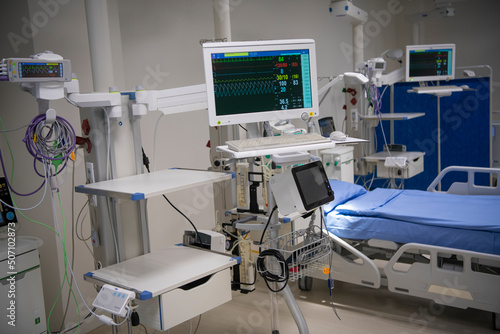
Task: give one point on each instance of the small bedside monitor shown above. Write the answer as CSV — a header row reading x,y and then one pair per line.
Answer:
x,y
302,189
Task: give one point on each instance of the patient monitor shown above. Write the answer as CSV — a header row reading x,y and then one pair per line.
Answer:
x,y
258,81
430,62
301,188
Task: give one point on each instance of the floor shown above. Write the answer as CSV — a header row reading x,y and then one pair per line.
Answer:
x,y
362,310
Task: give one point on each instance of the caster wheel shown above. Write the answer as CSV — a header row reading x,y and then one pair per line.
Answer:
x,y
305,283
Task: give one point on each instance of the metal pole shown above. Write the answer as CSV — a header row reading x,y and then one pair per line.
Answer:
x,y
273,236
274,227
295,310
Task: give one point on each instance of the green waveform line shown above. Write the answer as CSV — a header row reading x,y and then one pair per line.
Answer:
x,y
244,89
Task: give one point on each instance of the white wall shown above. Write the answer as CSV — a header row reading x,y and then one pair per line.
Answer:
x,y
160,49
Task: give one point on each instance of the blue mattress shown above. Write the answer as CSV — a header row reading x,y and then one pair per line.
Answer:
x,y
403,216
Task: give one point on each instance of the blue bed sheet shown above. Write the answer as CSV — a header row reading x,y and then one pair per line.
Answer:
x,y
403,216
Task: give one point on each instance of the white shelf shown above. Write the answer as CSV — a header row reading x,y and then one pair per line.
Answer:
x,y
381,156
288,149
156,273
270,151
440,90
350,140
145,186
395,116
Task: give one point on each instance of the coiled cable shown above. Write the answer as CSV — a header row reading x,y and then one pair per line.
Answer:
x,y
50,142
274,274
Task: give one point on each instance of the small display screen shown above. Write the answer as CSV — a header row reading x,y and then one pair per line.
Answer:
x,y
430,63
313,185
326,126
259,81
40,70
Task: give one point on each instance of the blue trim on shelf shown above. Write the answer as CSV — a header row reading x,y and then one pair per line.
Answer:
x,y
137,196
131,95
145,295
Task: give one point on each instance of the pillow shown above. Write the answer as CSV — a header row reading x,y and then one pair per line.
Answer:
x,y
344,191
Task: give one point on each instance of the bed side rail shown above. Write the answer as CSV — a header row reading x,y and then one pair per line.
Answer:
x,y
451,277
469,187
352,267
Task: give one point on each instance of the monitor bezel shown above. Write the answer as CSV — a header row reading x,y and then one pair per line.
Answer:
x,y
410,48
271,45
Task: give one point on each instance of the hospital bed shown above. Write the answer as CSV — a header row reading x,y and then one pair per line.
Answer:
x,y
442,246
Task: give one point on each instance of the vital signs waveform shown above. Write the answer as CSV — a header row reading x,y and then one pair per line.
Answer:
x,y
35,70
229,89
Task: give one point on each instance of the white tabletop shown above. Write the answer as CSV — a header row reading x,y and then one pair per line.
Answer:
x,y
161,271
144,186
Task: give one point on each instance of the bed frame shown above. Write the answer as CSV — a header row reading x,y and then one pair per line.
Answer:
x,y
448,276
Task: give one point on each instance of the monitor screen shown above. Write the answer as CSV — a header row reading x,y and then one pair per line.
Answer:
x,y
259,81
36,70
326,126
40,70
430,62
313,185
301,188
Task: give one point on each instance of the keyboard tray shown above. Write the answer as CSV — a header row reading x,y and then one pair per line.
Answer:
x,y
252,144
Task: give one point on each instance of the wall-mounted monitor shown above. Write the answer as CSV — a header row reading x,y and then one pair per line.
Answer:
x,y
430,62
250,82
